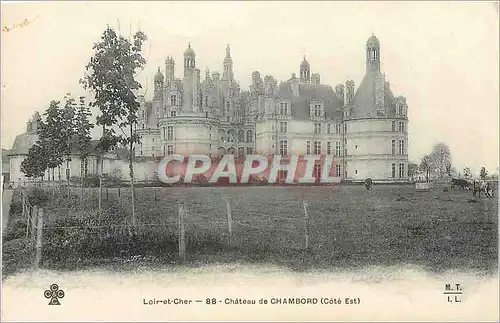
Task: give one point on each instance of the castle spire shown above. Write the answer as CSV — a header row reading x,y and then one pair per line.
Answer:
x,y
228,66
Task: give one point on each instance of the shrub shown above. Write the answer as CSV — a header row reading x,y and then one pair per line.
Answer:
x,y
16,255
16,229
16,207
38,197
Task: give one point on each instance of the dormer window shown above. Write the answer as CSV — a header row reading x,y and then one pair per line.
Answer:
x,y
173,100
283,108
317,110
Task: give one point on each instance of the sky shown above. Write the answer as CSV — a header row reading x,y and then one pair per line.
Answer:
x,y
443,56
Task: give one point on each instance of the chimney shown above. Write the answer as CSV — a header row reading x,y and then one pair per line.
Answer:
x,y
294,81
349,93
315,78
216,76
339,91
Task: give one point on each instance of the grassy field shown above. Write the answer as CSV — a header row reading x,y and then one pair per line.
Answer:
x,y
349,226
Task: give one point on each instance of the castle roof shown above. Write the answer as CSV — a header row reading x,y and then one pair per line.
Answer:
x,y
23,143
363,103
151,115
307,93
372,42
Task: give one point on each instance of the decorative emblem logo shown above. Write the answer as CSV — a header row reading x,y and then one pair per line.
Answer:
x,y
54,293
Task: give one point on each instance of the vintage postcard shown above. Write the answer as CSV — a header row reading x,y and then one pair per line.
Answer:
x,y
249,161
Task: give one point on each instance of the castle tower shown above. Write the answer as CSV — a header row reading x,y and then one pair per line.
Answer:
x,y
169,69
189,60
373,54
158,88
187,84
305,71
228,75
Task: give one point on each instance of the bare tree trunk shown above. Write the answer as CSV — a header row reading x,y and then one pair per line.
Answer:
x,y
67,174
100,177
131,168
82,183
101,174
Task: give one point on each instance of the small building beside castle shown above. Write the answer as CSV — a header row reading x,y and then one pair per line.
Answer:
x,y
364,129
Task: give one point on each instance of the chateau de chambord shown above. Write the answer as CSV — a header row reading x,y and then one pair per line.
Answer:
x,y
364,128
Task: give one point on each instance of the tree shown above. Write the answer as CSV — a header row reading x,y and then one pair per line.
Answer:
x,y
111,77
68,132
36,162
83,138
467,172
440,159
49,135
412,170
425,166
483,173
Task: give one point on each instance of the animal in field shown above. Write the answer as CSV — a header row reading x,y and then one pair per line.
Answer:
x,y
482,186
368,183
459,183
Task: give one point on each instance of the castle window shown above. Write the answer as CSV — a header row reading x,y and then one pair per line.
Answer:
x,y
401,126
401,170
249,150
337,149
401,147
283,148
173,100
394,126
308,148
283,108
170,133
249,136
328,129
170,150
317,147
393,171
337,128
173,113
317,128
393,147
329,148
283,127
345,127
241,136
317,110
241,151
337,170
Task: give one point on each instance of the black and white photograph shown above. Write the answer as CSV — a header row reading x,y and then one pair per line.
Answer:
x,y
285,161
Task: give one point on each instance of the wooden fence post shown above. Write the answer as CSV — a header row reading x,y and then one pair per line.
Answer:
x,y
229,221
34,214
306,226
107,194
39,236
155,195
23,198
119,185
182,233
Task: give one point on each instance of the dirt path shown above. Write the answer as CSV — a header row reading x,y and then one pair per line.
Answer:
x,y
6,199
